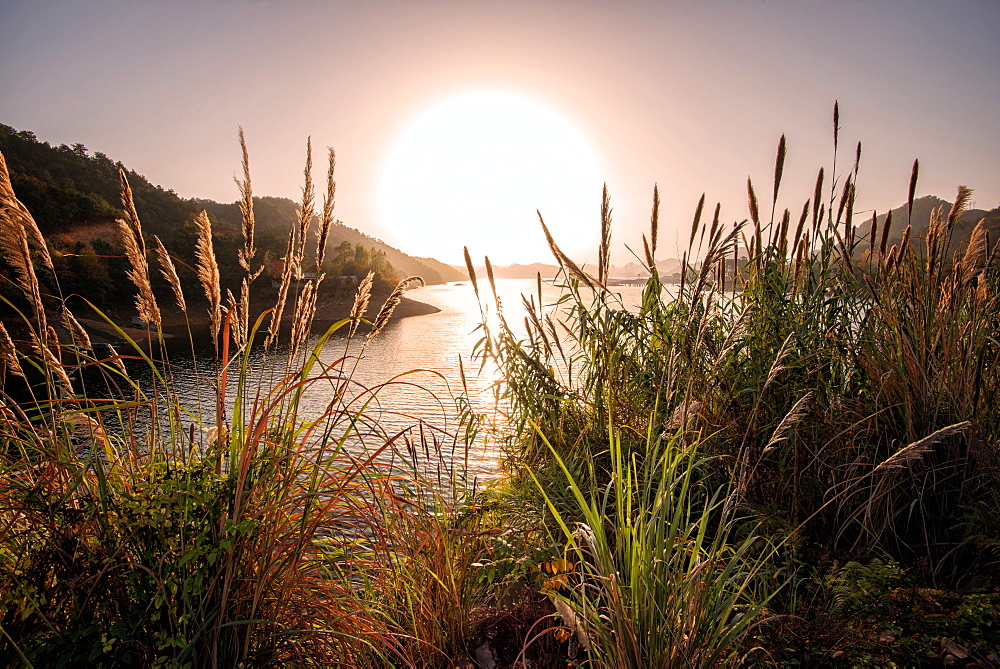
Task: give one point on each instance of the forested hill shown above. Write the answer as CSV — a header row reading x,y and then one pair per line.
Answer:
x,y
74,196
923,208
275,215
64,186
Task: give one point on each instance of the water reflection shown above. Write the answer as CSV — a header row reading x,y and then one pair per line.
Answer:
x,y
413,381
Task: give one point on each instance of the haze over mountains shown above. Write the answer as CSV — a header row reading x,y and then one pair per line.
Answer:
x,y
666,267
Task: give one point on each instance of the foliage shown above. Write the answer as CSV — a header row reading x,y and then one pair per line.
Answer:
x,y
140,531
687,475
840,388
662,581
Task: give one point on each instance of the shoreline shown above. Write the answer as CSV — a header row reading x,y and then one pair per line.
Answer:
x,y
195,323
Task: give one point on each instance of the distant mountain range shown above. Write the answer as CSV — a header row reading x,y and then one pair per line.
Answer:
x,y
74,196
666,267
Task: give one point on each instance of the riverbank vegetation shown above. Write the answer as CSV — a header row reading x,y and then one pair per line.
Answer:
x,y
789,458
834,397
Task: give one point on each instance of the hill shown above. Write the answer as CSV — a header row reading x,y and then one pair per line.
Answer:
x,y
275,215
74,196
64,186
69,190
923,208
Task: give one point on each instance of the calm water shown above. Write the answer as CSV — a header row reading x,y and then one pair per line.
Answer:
x,y
409,375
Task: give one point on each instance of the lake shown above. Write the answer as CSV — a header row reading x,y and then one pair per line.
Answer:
x,y
410,373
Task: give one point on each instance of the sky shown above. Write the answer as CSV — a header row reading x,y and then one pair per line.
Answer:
x,y
454,121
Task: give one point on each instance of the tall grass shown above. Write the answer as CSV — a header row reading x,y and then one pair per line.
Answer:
x,y
140,531
808,392
663,578
839,390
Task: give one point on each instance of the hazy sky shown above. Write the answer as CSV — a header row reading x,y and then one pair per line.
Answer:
x,y
690,95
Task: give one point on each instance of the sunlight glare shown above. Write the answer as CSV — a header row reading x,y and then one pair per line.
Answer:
x,y
471,171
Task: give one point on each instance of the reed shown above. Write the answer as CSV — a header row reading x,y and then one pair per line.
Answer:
x,y
658,579
679,470
798,386
137,531
135,251
208,275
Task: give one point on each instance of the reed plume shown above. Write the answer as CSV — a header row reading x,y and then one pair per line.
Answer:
x,y
872,234
817,195
16,227
306,211
752,203
51,363
960,205
246,209
779,167
755,217
115,359
885,233
292,267
492,281
287,271
647,254
8,355
208,274
323,233
604,253
797,238
169,273
977,248
913,188
696,222
571,267
791,419
472,270
836,124
6,188
917,449
13,214
937,230
240,310
302,318
778,365
135,251
80,336
360,305
305,306
842,204
391,302
14,241
654,225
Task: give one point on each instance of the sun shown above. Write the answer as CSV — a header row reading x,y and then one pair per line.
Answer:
x,y
472,169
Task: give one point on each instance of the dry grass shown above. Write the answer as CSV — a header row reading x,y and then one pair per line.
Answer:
x,y
207,270
133,537
135,251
